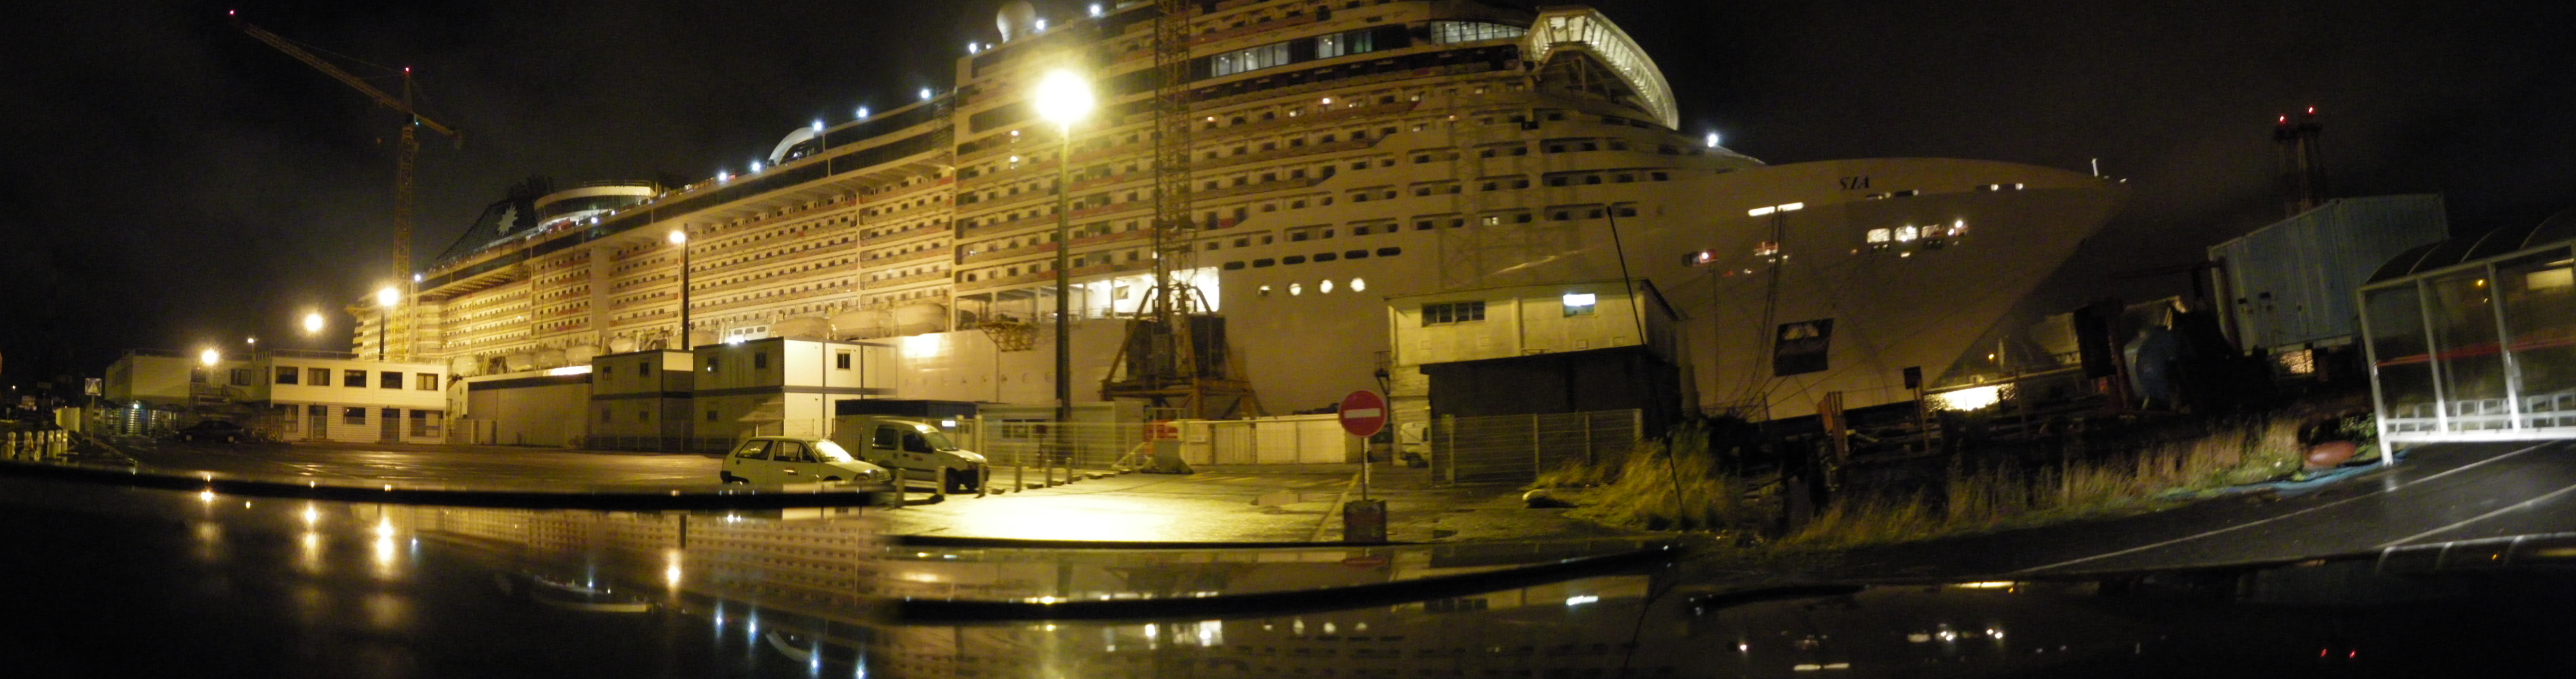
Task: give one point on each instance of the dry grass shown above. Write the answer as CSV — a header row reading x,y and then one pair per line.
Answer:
x,y
1990,499
1677,485
1658,485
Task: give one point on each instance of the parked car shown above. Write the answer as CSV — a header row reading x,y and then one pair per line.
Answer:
x,y
214,430
795,459
916,446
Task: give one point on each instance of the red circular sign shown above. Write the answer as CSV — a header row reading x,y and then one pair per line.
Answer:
x,y
1363,413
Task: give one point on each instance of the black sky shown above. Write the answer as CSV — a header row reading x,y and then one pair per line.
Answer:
x,y
170,183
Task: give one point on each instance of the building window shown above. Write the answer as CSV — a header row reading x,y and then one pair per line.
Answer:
x,y
289,375
320,377
643,416
424,423
604,415
353,416
353,378
841,360
1453,312
644,368
711,416
1579,303
714,364
426,382
389,380
760,360
241,377
1445,32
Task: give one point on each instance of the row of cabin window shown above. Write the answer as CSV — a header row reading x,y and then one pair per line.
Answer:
x,y
1317,257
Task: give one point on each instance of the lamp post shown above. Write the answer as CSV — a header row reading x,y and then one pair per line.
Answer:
x,y
386,298
681,238
1064,98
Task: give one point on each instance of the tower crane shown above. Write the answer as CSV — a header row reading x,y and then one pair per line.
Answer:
x,y
406,155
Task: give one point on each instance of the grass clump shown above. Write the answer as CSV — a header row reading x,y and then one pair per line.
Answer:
x,y
1679,483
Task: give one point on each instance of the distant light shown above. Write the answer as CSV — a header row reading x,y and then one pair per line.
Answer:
x,y
312,321
1295,289
253,341
568,370
679,237
1990,584
415,278
818,124
1579,299
1712,140
1041,25
755,167
1581,599
210,357
737,339
721,175
925,94
388,296
1971,398
1793,207
948,424
863,113
1095,9
1760,211
1359,284
970,47
1325,287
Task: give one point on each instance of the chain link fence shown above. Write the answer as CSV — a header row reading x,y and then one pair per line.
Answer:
x,y
1515,448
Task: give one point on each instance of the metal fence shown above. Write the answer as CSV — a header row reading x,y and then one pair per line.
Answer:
x,y
1516,448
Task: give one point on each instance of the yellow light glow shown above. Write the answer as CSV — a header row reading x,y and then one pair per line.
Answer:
x,y
210,357
1063,97
920,346
1990,584
679,237
388,296
312,322
1971,398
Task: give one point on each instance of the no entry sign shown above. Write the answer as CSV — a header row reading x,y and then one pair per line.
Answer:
x,y
1363,413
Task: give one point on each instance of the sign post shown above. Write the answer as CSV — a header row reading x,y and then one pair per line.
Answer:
x,y
1364,414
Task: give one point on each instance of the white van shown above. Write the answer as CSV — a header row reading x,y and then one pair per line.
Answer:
x,y
914,446
795,459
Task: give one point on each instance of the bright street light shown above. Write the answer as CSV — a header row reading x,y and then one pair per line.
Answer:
x,y
210,357
312,322
1063,97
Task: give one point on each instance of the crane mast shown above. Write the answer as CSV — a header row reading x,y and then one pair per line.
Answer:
x,y
406,151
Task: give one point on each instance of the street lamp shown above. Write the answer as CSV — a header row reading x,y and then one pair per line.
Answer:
x,y
386,298
210,357
681,238
1064,98
312,322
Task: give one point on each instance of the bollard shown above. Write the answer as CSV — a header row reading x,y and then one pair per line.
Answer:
x,y
1020,476
983,480
939,485
902,477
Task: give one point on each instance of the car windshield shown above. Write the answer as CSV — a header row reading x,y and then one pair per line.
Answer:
x,y
832,452
936,440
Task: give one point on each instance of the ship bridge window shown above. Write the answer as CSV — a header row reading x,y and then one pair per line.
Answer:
x,y
1446,32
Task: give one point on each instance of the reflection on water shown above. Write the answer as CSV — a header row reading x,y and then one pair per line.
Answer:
x,y
339,589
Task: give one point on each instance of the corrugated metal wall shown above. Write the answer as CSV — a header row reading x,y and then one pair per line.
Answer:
x,y
2293,281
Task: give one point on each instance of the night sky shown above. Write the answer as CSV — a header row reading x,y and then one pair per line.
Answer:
x,y
171,183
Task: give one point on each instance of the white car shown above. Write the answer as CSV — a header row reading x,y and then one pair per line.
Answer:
x,y
795,459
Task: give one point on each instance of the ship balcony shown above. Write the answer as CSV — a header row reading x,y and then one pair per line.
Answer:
x,y
902,281
930,229
905,258
1077,274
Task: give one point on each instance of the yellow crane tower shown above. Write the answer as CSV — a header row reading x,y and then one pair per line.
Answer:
x,y
406,155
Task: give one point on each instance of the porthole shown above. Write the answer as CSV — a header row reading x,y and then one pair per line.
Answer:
x,y
1325,287
1359,284
1295,289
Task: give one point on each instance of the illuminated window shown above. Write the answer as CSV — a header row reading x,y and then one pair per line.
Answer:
x,y
1324,288
1295,289
1881,235
1906,234
1579,303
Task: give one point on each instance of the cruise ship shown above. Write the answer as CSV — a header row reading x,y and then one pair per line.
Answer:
x,y
1343,157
